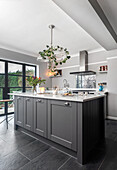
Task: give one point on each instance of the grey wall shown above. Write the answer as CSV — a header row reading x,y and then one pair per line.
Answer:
x,y
70,66
112,87
95,60
14,56
43,74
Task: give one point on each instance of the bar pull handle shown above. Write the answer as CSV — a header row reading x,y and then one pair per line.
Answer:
x,y
39,100
67,104
27,99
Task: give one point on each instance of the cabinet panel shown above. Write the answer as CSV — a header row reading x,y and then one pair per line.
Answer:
x,y
40,117
28,113
62,123
19,111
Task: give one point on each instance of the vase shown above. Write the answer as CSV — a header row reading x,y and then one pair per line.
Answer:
x,y
34,90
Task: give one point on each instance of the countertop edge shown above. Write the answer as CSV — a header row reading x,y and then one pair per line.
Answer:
x,y
54,97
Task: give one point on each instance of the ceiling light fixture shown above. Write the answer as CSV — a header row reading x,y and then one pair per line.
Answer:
x,y
54,55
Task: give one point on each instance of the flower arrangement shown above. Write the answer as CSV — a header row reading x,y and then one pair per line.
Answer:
x,y
33,81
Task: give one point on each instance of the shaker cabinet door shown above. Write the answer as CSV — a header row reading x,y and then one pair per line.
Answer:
x,y
28,113
62,123
40,117
19,111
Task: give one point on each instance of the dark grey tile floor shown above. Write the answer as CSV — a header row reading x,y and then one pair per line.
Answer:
x,y
18,151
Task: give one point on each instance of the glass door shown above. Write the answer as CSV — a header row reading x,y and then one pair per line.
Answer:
x,y
15,81
13,78
2,85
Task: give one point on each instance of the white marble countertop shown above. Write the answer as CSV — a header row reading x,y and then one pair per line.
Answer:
x,y
75,98
84,89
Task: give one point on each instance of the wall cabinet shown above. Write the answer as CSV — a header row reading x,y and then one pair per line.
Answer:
x,y
62,123
28,114
40,117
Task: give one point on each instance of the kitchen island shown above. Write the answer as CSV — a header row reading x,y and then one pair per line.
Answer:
x,y
75,122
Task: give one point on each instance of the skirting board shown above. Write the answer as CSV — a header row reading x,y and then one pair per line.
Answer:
x,y
111,117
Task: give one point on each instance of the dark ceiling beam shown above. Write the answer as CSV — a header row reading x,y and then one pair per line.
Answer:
x,y
103,17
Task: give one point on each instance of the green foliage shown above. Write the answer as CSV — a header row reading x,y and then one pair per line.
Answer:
x,y
13,81
33,81
49,54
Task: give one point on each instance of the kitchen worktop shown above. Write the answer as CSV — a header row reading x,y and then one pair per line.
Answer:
x,y
75,98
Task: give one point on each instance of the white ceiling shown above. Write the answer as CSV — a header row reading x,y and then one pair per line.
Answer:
x,y
24,27
83,13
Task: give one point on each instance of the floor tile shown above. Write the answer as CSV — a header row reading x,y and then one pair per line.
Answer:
x,y
6,148
13,161
110,162
94,162
50,160
34,149
72,164
95,159
18,139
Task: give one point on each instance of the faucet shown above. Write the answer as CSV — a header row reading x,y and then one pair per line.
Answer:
x,y
66,84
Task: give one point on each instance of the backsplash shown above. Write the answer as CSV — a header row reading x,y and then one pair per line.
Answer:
x,y
87,81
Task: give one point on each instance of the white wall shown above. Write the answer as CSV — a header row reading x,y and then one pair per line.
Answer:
x,y
14,56
71,65
112,87
95,60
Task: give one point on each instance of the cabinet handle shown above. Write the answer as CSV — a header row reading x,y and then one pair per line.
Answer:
x,y
27,99
66,104
39,100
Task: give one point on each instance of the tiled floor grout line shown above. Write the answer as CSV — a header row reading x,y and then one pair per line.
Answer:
x,y
24,155
63,152
64,163
27,144
102,163
49,145
29,135
34,158
3,139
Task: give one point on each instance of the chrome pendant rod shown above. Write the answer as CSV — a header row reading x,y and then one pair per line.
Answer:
x,y
51,27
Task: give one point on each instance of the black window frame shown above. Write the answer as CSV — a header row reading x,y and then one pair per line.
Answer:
x,y
6,87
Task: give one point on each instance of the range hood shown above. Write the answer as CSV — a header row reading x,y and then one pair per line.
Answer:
x,y
84,65
84,72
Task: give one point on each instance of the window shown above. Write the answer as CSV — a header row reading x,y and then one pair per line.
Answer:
x,y
15,81
2,67
13,78
2,107
30,71
14,69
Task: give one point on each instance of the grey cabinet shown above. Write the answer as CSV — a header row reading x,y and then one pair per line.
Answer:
x,y
28,113
62,123
40,117
19,111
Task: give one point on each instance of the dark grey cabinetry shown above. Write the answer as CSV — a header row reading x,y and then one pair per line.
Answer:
x,y
62,123
19,111
28,113
40,117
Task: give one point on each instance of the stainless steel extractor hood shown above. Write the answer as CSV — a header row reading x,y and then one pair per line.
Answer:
x,y
84,65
